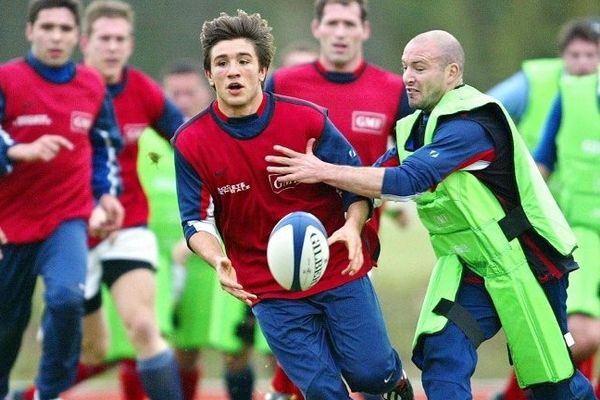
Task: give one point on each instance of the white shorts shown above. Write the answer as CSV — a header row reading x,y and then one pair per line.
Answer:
x,y
135,244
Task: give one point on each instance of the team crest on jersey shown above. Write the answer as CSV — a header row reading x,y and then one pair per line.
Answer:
x,y
81,122
32,120
367,122
132,132
278,187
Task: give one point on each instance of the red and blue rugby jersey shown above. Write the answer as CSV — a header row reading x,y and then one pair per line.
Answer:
x,y
35,197
226,159
139,103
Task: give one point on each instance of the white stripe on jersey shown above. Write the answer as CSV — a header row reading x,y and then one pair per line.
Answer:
x,y
111,162
476,166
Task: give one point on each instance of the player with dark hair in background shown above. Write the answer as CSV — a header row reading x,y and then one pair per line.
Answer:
x,y
58,146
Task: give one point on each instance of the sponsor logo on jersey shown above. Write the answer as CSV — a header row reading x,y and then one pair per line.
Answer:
x,y
32,120
367,122
235,188
278,187
132,132
81,121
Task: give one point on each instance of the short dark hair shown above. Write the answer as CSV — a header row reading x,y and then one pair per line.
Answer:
x,y
584,28
226,27
320,6
35,6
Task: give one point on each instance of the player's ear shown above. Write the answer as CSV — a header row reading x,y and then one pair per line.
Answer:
x,y
314,27
366,30
209,78
28,31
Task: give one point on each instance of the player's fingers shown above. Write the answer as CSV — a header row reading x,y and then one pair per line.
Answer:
x,y
64,142
286,151
309,145
278,169
279,160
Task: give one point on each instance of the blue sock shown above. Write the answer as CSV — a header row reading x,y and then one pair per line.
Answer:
x,y
240,384
160,376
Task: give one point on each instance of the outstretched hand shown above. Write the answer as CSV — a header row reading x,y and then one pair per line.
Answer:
x,y
44,148
294,166
228,280
106,217
353,242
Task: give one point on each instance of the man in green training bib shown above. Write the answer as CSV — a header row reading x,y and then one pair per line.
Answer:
x,y
504,249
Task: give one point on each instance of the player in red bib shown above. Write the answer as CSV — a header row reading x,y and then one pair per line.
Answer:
x,y
126,261
334,329
58,145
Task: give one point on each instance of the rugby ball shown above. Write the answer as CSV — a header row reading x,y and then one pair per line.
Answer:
x,y
297,251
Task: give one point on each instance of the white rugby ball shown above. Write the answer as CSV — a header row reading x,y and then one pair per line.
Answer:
x,y
297,252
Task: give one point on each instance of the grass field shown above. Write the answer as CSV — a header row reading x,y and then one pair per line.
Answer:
x,y
400,279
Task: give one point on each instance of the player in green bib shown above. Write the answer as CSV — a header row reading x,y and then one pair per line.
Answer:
x,y
504,248
529,96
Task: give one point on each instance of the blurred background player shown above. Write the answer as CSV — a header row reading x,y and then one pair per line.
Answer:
x,y
297,53
187,88
530,95
57,158
349,87
126,261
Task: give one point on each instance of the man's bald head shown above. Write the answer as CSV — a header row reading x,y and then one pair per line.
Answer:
x,y
447,48
433,63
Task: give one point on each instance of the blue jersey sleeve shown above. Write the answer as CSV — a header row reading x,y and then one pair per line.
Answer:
x,y
189,190
6,141
106,143
334,148
457,144
169,121
545,150
513,93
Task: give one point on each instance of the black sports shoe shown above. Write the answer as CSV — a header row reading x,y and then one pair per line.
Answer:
x,y
402,391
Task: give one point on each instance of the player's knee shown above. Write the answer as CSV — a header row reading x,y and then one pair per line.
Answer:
x,y
65,302
373,380
142,329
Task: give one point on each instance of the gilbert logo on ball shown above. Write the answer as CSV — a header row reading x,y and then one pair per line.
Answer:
x,y
297,252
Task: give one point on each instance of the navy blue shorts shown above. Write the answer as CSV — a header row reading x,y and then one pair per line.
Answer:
x,y
339,332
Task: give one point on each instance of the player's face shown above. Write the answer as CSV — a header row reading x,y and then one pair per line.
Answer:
x,y
188,91
53,36
108,47
581,57
341,34
236,76
425,76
